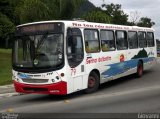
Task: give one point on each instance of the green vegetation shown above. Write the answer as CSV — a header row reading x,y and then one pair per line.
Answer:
x,y
5,66
116,13
97,15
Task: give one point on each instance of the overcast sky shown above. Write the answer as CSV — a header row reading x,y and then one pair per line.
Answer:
x,y
145,8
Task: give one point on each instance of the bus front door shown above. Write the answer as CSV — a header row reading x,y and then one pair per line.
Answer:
x,y
75,56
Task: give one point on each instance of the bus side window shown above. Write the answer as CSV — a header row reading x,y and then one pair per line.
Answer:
x,y
133,39
91,38
74,47
107,40
150,39
121,40
142,39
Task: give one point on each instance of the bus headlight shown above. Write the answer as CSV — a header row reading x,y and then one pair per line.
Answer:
x,y
18,80
53,80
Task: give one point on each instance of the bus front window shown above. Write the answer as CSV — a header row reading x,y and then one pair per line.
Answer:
x,y
38,51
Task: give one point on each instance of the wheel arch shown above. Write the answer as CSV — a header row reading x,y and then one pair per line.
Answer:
x,y
94,75
141,61
97,72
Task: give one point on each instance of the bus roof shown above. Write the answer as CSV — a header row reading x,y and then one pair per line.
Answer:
x,y
93,25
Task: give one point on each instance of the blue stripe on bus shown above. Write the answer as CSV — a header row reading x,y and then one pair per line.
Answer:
x,y
119,68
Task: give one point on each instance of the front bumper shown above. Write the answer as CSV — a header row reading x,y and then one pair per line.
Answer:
x,y
57,88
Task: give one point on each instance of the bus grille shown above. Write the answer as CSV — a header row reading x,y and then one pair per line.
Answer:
x,y
35,89
35,80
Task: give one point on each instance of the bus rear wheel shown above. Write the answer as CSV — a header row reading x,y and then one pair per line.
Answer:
x,y
93,83
139,69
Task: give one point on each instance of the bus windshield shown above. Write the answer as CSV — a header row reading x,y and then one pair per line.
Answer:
x,y
38,51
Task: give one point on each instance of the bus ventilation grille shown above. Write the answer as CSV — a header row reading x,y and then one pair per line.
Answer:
x,y
35,80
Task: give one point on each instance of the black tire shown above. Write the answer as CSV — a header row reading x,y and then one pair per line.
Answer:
x,y
139,69
93,83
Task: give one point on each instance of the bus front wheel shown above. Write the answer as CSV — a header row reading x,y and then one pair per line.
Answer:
x,y
93,83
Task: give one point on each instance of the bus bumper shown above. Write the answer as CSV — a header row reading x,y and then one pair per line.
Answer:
x,y
57,88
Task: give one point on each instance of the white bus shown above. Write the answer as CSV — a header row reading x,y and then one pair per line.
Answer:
x,y
62,57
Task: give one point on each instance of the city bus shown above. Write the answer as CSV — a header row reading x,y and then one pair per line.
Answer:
x,y
61,57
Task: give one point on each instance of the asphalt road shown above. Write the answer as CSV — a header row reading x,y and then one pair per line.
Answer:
x,y
125,95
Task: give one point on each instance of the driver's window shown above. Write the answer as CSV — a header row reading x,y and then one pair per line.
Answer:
x,y
74,47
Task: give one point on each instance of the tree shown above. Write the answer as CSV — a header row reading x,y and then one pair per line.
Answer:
x,y
32,10
6,28
97,16
145,22
134,16
84,7
7,7
4,7
116,13
54,8
69,8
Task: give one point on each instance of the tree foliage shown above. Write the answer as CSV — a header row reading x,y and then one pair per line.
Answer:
x,y
6,26
32,10
145,22
67,9
116,13
97,16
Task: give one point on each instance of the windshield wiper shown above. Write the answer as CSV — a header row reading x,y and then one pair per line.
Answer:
x,y
36,53
41,41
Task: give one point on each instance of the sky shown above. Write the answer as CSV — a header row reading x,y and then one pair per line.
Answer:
x,y
144,8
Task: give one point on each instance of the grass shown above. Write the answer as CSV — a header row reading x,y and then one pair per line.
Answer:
x,y
5,67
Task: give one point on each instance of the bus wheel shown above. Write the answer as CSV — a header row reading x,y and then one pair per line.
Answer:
x,y
93,83
139,69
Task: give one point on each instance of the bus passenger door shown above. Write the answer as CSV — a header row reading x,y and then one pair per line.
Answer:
x,y
75,56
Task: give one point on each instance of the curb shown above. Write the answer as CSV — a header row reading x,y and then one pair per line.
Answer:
x,y
9,95
7,86
8,91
